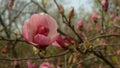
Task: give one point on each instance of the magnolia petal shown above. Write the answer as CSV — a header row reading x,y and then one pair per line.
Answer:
x,y
52,25
26,32
46,65
55,44
41,40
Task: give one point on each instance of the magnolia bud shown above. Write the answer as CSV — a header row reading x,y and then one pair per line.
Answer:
x,y
80,24
68,39
117,8
5,49
61,9
104,41
61,42
117,19
10,4
118,52
82,35
88,27
58,61
111,31
112,16
35,50
104,4
44,2
30,65
94,17
98,28
64,42
15,63
71,13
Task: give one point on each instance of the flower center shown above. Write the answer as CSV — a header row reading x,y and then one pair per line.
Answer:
x,y
42,30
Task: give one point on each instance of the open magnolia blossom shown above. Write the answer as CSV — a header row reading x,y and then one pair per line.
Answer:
x,y
40,30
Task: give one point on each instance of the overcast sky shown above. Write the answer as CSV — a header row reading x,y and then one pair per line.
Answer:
x,y
85,4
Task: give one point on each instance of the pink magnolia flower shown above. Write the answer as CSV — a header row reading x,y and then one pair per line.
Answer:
x,y
80,24
104,4
31,65
46,65
40,30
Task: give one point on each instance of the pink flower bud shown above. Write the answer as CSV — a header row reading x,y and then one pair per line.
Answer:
x,y
111,31
31,65
82,35
15,63
5,49
80,24
80,66
61,9
104,41
61,42
58,67
88,27
70,40
117,19
46,65
58,61
40,30
94,17
104,4
98,28
118,52
112,16
64,42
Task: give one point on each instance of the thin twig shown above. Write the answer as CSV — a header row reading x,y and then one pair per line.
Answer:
x,y
69,25
107,35
39,6
35,58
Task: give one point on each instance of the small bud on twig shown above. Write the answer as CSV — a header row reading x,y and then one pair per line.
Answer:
x,y
61,9
105,5
71,13
10,4
43,2
5,49
80,25
94,17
